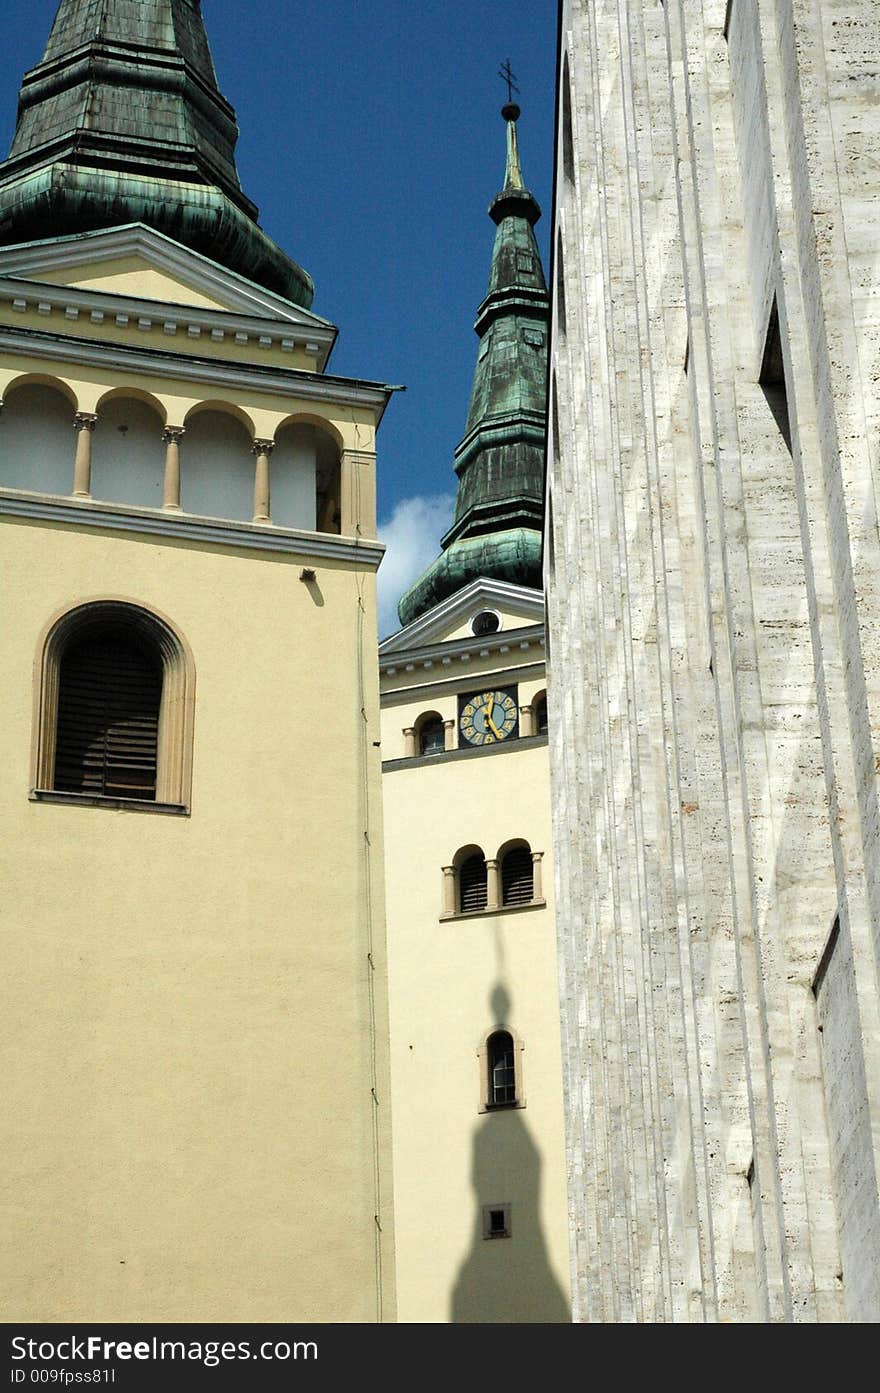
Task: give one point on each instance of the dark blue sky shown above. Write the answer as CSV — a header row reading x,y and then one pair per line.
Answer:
x,y
372,142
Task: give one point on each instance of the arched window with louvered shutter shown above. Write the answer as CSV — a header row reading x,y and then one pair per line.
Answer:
x,y
517,875
472,881
109,696
114,707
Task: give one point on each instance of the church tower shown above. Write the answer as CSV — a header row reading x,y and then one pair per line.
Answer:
x,y
195,998
479,1174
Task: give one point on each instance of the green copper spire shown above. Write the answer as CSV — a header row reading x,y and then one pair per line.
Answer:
x,y
123,122
496,531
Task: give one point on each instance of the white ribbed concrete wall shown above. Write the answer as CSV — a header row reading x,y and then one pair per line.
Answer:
x,y
715,657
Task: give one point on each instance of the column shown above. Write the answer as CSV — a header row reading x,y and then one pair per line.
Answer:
x,y
84,423
409,742
262,449
537,878
357,493
449,905
526,722
449,735
493,884
172,436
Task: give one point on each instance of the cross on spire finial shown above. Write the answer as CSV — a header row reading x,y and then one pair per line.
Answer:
x,y
506,73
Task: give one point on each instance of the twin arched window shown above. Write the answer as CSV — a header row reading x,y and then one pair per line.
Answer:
x,y
478,884
114,706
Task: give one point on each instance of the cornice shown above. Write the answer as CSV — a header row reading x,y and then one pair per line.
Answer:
x,y
162,317
486,591
456,681
463,650
306,386
209,277
114,517
517,745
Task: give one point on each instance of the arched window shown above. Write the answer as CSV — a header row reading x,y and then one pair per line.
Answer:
x,y
539,714
328,483
109,697
37,440
472,884
431,735
114,707
502,1070
127,452
294,474
517,875
217,466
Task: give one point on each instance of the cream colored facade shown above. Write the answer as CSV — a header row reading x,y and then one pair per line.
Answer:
x,y
195,1010
456,977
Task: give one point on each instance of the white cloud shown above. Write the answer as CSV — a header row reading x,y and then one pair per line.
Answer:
x,y
412,535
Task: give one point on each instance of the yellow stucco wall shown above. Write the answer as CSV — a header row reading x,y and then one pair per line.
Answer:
x,y
451,981
187,1024
132,275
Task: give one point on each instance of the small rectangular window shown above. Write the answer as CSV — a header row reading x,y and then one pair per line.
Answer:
x,y
496,1221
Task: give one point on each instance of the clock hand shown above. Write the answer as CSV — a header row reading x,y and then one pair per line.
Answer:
x,y
490,723
486,713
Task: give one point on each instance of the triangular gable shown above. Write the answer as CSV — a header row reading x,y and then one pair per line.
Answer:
x,y
518,606
132,276
137,261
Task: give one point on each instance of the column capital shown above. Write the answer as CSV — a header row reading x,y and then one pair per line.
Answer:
x,y
172,435
85,420
262,447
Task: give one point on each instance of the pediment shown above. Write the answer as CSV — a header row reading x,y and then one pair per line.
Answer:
x,y
136,262
517,606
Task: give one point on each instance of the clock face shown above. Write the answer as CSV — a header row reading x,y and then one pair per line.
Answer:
x,y
487,717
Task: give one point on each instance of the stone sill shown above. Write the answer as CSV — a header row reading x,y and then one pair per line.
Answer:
x,y
516,742
499,909
502,1107
99,800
